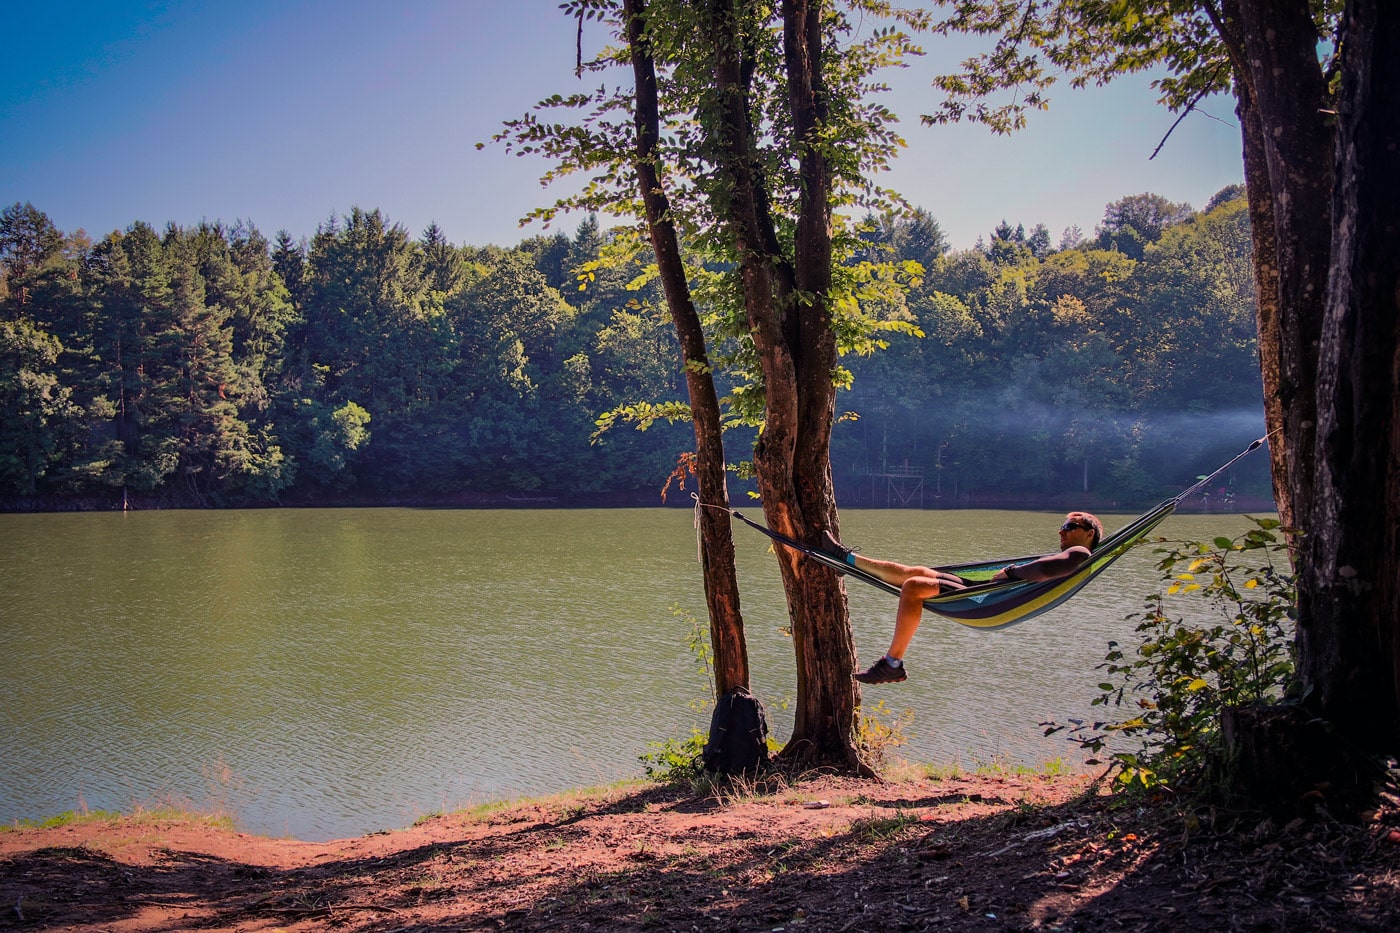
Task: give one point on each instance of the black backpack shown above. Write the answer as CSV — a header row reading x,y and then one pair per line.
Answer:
x,y
738,734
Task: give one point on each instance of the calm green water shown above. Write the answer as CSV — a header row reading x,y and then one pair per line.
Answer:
x,y
325,673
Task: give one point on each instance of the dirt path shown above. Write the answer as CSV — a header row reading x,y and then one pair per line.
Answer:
x,y
994,852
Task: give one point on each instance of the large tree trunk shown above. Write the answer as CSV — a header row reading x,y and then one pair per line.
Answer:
x,y
826,695
1338,371
789,320
1275,45
731,658
1349,631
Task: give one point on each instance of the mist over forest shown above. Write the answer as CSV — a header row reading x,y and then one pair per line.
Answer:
x,y
211,366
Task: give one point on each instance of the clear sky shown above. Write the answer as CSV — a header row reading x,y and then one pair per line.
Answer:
x,y
282,113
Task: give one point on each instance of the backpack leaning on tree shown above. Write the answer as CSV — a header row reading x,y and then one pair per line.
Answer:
x,y
738,734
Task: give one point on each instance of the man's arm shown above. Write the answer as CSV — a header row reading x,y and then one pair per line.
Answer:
x,y
1050,567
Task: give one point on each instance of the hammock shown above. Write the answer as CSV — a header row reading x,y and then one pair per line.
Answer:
x,y
987,605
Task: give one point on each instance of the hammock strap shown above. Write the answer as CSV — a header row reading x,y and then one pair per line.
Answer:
x,y
1233,460
735,513
813,553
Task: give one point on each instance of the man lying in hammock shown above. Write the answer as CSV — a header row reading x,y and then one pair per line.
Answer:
x,y
1079,535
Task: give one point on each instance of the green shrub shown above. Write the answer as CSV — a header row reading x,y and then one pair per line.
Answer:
x,y
1183,675
674,761
880,730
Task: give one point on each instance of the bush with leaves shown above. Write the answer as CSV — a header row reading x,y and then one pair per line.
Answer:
x,y
880,730
1185,674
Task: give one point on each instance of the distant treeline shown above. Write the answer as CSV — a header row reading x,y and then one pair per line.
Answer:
x,y
209,366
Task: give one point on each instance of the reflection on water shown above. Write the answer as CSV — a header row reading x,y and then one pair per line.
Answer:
x,y
325,673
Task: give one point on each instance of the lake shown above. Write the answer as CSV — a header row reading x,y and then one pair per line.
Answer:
x,y
327,673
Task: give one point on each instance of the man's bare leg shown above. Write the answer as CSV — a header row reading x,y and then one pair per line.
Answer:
x,y
890,571
910,613
912,593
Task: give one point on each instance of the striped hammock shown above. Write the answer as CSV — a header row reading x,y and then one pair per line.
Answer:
x,y
987,605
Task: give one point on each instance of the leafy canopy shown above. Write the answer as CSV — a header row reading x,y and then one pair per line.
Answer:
x,y
590,134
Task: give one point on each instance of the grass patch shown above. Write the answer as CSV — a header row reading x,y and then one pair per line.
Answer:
x,y
172,813
165,813
949,772
880,730
883,828
66,818
564,805
1054,768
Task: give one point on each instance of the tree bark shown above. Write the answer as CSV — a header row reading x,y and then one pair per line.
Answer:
x,y
1349,626
1324,202
1338,370
1283,760
731,660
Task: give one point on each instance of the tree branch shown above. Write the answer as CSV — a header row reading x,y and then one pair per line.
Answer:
x,y
1189,107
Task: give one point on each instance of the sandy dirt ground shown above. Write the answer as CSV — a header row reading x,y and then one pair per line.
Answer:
x,y
969,852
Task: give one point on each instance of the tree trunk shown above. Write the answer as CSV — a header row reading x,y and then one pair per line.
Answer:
x,y
1349,626
1277,45
826,694
1285,761
789,321
1320,201
1338,372
731,659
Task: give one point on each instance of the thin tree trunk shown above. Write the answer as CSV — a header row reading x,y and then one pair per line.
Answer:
x,y
731,658
1259,191
1350,633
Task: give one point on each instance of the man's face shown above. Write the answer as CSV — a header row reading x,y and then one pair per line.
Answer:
x,y
1075,532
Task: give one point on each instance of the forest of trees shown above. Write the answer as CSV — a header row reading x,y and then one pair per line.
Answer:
x,y
209,366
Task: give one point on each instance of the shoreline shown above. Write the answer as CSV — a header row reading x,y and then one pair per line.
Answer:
x,y
465,501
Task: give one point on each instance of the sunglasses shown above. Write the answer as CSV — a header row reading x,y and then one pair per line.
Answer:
x,y
1071,526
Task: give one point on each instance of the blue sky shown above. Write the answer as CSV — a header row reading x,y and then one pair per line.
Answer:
x,y
282,113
